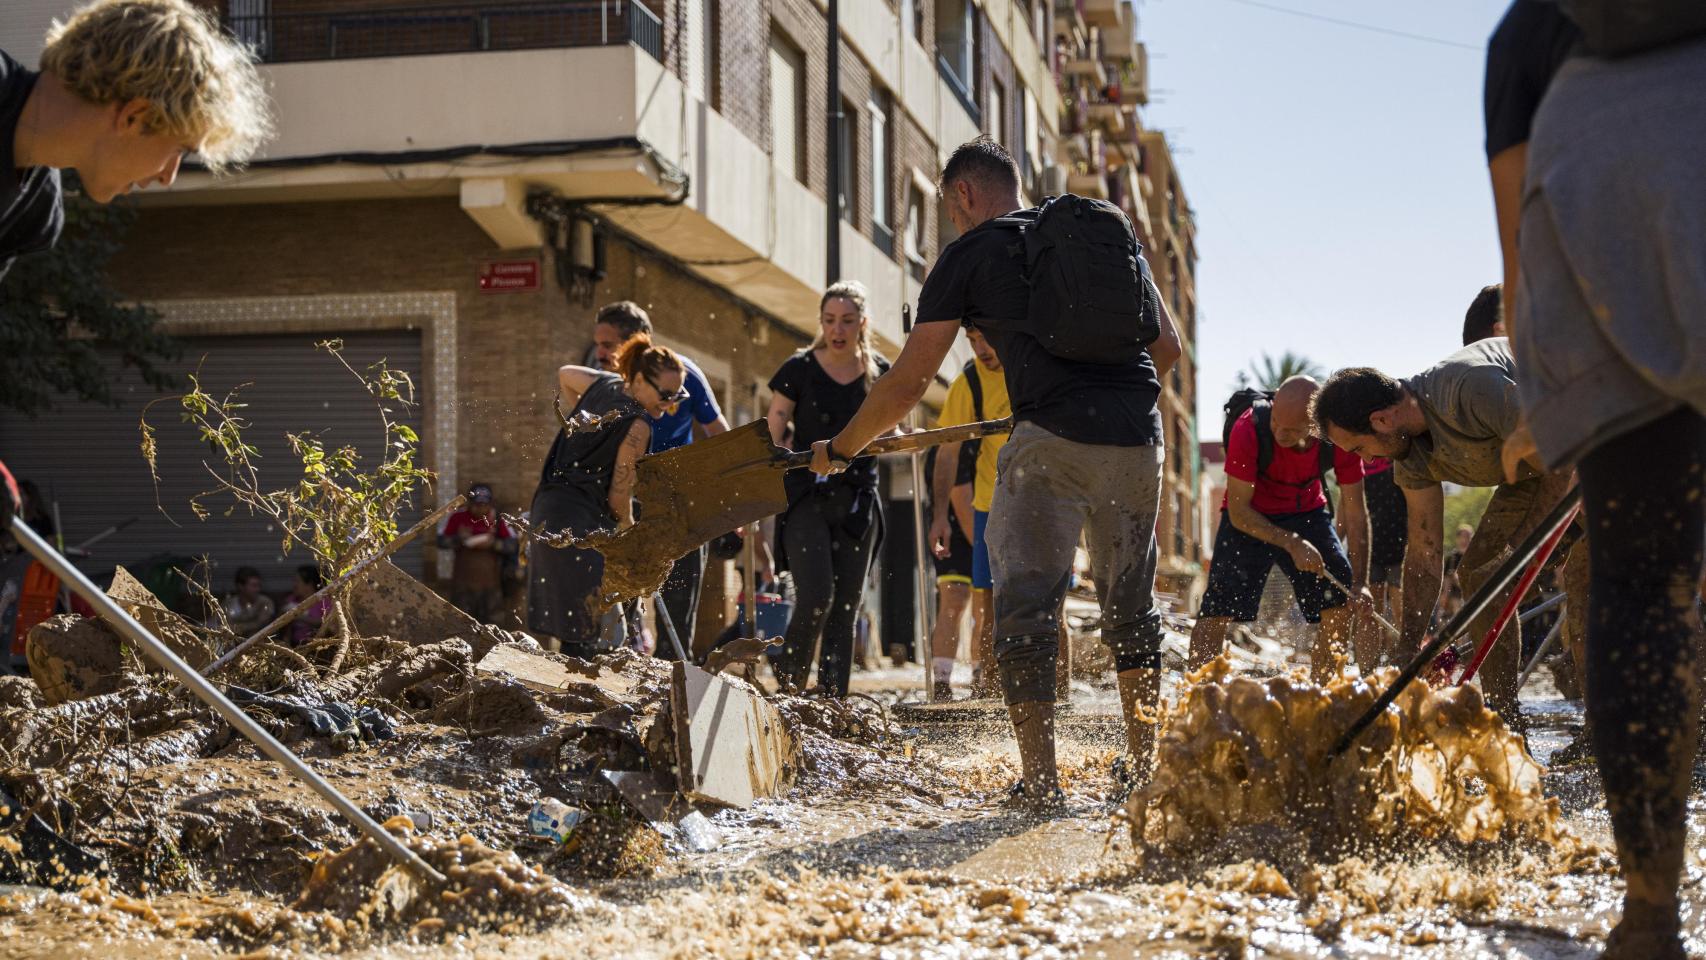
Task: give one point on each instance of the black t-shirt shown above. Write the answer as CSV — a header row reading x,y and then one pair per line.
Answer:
x,y
30,207
978,280
588,460
1526,50
822,408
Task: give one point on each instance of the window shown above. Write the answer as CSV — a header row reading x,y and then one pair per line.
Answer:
x,y
698,52
956,39
912,18
849,127
787,106
879,108
998,112
915,231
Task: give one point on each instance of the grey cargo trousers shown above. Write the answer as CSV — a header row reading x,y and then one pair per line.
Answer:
x,y
1049,491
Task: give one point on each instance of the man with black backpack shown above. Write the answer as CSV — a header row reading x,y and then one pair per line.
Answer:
x,y
1064,295
1277,511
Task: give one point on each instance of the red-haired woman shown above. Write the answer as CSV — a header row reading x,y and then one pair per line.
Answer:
x,y
587,485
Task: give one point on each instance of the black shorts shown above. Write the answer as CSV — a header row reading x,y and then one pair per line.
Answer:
x,y
956,566
1241,564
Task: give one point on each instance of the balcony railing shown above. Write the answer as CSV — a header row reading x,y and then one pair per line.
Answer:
x,y
408,31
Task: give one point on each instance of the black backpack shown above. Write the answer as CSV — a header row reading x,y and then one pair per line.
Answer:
x,y
1620,28
1092,298
1261,403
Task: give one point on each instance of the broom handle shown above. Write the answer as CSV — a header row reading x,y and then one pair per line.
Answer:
x,y
908,442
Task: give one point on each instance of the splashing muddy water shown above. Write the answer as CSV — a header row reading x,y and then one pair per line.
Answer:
x,y
901,846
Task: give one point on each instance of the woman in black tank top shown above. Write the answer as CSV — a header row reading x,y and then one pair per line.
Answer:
x,y
587,485
828,535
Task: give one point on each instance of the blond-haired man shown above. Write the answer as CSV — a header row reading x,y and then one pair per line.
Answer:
x,y
126,89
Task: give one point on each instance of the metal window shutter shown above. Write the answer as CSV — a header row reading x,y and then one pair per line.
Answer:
x,y
87,456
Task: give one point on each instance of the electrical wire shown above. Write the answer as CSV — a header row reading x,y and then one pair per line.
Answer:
x,y
1358,25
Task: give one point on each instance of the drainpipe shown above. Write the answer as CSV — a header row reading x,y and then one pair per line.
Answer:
x,y
832,240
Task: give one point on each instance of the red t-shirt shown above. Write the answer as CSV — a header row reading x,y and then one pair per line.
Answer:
x,y
463,520
1377,465
1293,481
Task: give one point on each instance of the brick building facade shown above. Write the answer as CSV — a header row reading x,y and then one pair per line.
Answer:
x,y
416,135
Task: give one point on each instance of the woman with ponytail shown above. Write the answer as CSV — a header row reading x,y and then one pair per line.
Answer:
x,y
830,530
587,484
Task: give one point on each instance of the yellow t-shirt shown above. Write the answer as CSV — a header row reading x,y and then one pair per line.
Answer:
x,y
958,411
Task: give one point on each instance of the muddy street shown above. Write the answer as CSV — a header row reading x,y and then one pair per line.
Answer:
x,y
891,834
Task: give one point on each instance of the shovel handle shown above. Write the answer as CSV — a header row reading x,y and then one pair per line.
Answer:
x,y
908,442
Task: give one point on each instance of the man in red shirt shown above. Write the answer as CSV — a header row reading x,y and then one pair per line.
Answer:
x,y
1278,514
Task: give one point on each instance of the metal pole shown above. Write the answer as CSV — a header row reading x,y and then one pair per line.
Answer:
x,y
1545,648
198,685
604,22
750,576
669,626
832,238
1541,608
426,523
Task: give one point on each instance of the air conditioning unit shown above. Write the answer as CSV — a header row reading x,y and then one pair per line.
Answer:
x,y
1054,180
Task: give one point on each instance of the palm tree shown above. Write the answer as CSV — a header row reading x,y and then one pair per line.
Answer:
x,y
1270,372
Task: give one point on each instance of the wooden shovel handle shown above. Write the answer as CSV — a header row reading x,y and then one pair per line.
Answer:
x,y
923,439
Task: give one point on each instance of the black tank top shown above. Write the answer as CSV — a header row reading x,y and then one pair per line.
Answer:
x,y
588,460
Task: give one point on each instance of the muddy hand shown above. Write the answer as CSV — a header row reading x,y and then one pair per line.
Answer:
x,y
940,535
1306,557
822,464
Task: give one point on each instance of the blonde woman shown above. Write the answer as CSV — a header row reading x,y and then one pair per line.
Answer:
x,y
830,530
126,89
587,484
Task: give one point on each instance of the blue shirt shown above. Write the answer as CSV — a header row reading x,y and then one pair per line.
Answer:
x,y
675,428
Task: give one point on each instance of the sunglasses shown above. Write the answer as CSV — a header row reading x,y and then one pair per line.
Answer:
x,y
678,396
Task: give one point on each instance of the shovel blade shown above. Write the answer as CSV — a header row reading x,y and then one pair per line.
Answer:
x,y
690,496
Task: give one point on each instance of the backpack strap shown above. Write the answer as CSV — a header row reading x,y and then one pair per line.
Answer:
x,y
975,383
1261,415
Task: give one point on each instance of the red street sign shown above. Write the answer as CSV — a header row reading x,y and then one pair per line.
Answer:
x,y
509,276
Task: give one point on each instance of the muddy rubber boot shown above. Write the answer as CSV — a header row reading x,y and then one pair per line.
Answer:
x,y
941,692
44,858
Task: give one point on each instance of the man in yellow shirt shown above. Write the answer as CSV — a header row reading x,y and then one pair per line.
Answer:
x,y
971,401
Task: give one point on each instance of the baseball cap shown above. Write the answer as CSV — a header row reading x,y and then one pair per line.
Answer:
x,y
480,493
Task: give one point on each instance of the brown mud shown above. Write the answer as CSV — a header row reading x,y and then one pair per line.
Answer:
x,y
893,842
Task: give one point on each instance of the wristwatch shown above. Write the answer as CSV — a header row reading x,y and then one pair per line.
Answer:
x,y
836,459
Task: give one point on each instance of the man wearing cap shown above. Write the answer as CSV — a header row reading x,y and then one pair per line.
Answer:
x,y
482,542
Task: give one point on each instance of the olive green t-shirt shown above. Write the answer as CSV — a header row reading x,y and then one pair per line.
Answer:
x,y
1469,400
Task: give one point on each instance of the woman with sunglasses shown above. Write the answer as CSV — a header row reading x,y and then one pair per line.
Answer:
x,y
587,485
830,530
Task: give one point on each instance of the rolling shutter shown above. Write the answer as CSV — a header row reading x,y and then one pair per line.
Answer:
x,y
87,458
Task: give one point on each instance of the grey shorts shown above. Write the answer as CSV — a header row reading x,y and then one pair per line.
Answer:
x,y
1048,494
1611,318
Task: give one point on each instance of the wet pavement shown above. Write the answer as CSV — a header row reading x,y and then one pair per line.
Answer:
x,y
896,844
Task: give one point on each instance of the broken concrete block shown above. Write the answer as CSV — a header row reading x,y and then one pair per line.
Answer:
x,y
386,602
730,742
555,673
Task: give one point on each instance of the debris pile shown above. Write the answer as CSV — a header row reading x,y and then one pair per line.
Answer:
x,y
1242,753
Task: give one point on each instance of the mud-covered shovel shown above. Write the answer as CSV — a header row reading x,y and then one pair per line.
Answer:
x,y
696,493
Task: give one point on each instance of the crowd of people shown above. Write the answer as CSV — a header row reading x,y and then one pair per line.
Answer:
x,y
1584,366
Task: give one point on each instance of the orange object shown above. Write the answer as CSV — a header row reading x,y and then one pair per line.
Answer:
x,y
36,599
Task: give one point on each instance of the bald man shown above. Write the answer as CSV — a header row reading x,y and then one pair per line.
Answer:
x,y
1275,511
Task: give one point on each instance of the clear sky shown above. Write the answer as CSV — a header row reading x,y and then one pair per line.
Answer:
x,y
1337,177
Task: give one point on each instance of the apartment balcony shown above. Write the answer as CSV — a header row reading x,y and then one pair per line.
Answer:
x,y
1069,18
1133,78
286,37
1085,64
1107,14
1109,117
1088,182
